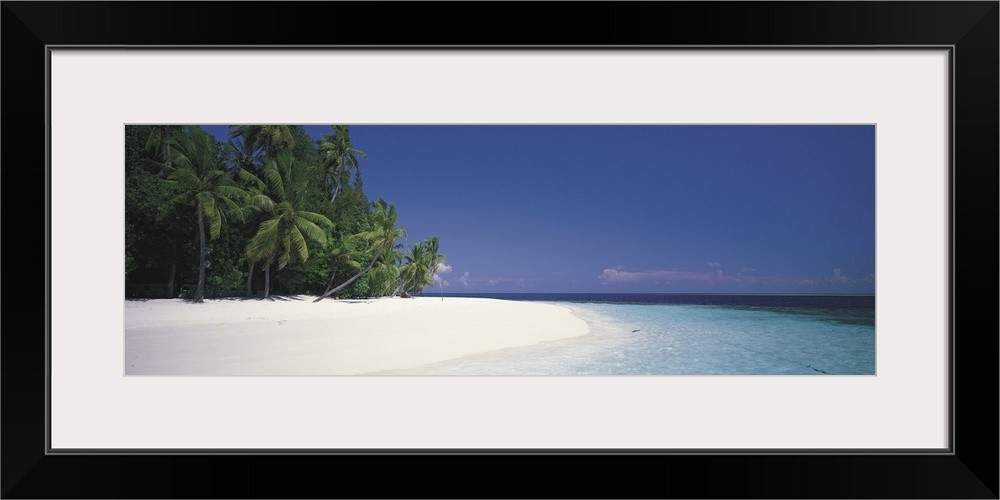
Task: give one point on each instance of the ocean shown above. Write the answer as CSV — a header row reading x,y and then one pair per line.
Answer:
x,y
691,334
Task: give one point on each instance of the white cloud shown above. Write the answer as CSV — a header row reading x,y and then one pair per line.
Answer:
x,y
658,277
464,279
746,276
714,264
444,269
616,276
838,277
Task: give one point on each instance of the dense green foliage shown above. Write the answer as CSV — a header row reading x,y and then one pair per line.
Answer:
x,y
422,262
268,211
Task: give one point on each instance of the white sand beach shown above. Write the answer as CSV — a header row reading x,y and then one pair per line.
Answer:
x,y
294,336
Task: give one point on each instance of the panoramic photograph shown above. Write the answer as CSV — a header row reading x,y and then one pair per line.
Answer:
x,y
499,250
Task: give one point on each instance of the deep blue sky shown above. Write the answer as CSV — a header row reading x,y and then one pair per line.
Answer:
x,y
585,208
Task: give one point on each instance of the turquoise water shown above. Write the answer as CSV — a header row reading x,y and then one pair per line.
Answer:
x,y
693,339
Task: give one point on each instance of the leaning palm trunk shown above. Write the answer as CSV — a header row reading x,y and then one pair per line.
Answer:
x,y
385,291
329,285
336,191
353,278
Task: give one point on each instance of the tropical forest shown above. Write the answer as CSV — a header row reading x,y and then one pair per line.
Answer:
x,y
267,212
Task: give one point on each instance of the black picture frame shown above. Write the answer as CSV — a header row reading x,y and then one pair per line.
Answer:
x,y
969,28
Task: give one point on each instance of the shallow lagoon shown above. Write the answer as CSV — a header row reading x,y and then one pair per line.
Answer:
x,y
714,335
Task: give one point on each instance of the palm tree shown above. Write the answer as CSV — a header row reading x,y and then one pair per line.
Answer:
x,y
423,261
160,141
341,255
271,139
436,259
193,170
391,261
383,234
415,273
341,157
286,227
159,146
246,153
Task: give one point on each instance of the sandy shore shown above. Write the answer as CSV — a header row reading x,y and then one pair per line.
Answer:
x,y
332,337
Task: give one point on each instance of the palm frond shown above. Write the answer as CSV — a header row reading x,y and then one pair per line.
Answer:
x,y
310,229
232,208
231,192
154,139
264,241
275,183
315,218
284,253
298,243
186,179
211,213
249,178
184,198
259,200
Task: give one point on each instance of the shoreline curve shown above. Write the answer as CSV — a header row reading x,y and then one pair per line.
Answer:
x,y
233,337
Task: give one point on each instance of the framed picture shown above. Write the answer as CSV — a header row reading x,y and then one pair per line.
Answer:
x,y
923,75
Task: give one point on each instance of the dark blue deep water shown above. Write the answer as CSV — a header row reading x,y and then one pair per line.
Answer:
x,y
692,334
